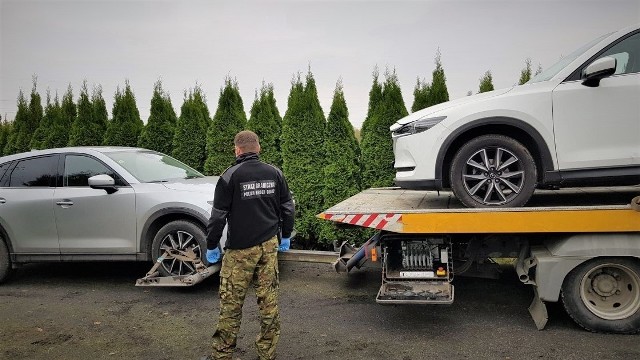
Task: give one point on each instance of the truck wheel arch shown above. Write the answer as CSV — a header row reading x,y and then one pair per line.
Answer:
x,y
558,257
514,128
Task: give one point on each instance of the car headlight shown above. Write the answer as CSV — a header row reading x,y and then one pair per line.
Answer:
x,y
417,126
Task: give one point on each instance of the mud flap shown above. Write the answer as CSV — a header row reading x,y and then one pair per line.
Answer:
x,y
202,272
538,310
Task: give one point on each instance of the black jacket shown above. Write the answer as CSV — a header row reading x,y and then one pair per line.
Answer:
x,y
253,198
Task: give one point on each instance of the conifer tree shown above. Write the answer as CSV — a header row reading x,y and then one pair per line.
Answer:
x,y
36,113
266,123
82,127
158,133
368,138
486,82
375,99
190,138
420,95
4,134
31,121
100,114
9,128
40,136
124,129
63,121
271,100
342,168
88,129
228,120
58,134
303,155
200,102
377,147
525,74
438,92
18,123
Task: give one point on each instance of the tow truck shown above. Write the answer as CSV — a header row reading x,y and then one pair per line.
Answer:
x,y
579,245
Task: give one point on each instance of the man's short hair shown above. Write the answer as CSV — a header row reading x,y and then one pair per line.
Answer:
x,y
247,141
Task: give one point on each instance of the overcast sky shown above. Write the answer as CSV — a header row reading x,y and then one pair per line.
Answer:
x,y
189,42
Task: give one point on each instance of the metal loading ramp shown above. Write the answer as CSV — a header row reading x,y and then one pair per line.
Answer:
x,y
154,278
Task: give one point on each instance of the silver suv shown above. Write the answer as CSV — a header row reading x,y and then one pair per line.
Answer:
x,y
101,204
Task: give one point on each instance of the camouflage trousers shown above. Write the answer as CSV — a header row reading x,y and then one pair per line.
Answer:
x,y
258,264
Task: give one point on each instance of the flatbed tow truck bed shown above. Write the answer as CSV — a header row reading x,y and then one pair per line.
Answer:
x,y
412,211
582,244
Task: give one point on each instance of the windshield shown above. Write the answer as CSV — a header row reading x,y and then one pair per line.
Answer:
x,y
557,67
151,166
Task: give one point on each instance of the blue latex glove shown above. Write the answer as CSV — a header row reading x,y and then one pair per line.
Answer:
x,y
213,256
285,243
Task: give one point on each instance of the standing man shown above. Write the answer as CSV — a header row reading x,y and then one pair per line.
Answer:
x,y
253,198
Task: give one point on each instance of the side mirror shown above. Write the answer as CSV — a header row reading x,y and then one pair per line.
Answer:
x,y
104,182
598,70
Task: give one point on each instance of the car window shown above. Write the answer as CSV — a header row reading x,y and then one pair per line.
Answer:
x,y
554,69
3,169
151,166
627,54
34,172
79,168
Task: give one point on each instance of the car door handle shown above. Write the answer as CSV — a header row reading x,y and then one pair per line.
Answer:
x,y
3,200
64,203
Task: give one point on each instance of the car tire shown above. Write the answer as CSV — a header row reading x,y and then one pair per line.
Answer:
x,y
603,295
493,171
179,235
6,267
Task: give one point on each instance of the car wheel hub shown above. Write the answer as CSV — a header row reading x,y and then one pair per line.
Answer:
x,y
493,176
182,241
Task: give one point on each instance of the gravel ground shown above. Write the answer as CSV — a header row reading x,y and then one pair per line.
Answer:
x,y
93,311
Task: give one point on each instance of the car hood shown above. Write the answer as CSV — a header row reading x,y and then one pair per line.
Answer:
x,y
204,185
450,104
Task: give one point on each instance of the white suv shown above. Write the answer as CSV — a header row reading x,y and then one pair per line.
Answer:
x,y
575,124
